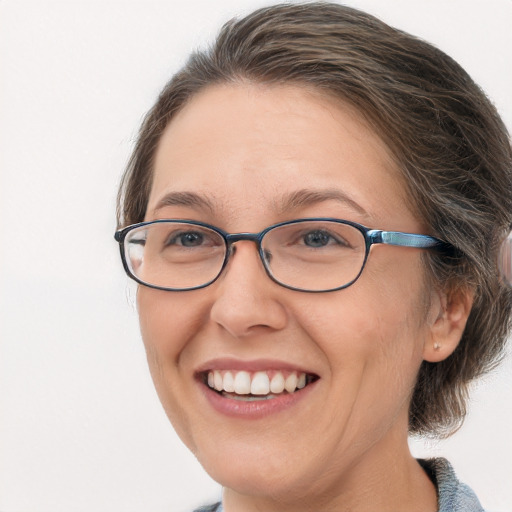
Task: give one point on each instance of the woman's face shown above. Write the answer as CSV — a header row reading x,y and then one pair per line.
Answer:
x,y
237,154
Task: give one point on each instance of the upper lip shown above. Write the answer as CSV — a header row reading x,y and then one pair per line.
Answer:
x,y
253,365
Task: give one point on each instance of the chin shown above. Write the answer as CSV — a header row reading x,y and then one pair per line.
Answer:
x,y
259,469
257,480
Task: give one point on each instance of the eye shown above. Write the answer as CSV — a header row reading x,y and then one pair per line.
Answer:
x,y
191,238
318,238
315,236
188,239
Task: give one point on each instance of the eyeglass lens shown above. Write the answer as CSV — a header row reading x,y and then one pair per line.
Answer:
x,y
308,255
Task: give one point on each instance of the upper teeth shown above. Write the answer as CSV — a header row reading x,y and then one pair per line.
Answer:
x,y
257,383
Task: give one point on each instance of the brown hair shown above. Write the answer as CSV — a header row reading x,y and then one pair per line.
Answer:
x,y
449,143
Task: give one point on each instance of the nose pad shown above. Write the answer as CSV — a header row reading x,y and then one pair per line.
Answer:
x,y
267,256
248,251
246,299
231,251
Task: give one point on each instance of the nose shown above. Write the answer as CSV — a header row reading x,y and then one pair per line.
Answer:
x,y
246,300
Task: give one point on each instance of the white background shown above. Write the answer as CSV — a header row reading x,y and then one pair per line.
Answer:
x,y
81,428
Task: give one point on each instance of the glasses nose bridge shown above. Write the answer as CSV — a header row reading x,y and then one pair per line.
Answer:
x,y
232,238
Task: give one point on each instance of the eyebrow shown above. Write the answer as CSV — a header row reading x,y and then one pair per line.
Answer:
x,y
189,199
302,198
292,201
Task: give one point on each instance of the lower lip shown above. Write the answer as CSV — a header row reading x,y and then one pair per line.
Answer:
x,y
255,409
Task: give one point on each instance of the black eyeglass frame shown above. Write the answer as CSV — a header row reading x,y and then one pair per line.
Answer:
x,y
371,237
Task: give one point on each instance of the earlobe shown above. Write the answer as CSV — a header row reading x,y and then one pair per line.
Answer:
x,y
450,314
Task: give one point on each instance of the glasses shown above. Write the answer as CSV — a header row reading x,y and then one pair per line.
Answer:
x,y
309,255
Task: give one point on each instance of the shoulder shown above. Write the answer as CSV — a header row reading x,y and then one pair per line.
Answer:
x,y
216,507
453,495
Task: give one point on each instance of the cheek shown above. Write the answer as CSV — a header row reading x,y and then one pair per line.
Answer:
x,y
167,322
375,329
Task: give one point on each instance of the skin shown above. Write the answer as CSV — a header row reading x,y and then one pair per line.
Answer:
x,y
344,446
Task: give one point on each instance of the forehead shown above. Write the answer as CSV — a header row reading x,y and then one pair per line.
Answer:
x,y
247,145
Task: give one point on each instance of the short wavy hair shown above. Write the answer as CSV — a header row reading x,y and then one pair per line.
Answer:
x,y
449,143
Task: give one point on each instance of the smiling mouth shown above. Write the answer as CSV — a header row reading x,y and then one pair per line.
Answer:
x,y
255,386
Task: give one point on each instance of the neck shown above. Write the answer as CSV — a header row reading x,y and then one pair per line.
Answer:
x,y
385,479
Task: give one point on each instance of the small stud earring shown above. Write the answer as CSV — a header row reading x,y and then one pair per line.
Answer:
x,y
437,346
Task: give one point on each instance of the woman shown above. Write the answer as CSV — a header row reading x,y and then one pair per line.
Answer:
x,y
314,210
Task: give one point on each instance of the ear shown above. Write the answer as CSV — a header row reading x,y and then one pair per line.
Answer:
x,y
448,316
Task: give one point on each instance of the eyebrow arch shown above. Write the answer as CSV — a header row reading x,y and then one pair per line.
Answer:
x,y
292,201
304,197
189,199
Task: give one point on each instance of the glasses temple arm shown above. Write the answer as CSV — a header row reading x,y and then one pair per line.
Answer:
x,y
406,239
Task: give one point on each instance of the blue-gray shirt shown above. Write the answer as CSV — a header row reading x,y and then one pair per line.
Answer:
x,y
453,496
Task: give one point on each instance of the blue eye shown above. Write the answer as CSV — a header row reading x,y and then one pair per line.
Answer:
x,y
189,239
317,239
